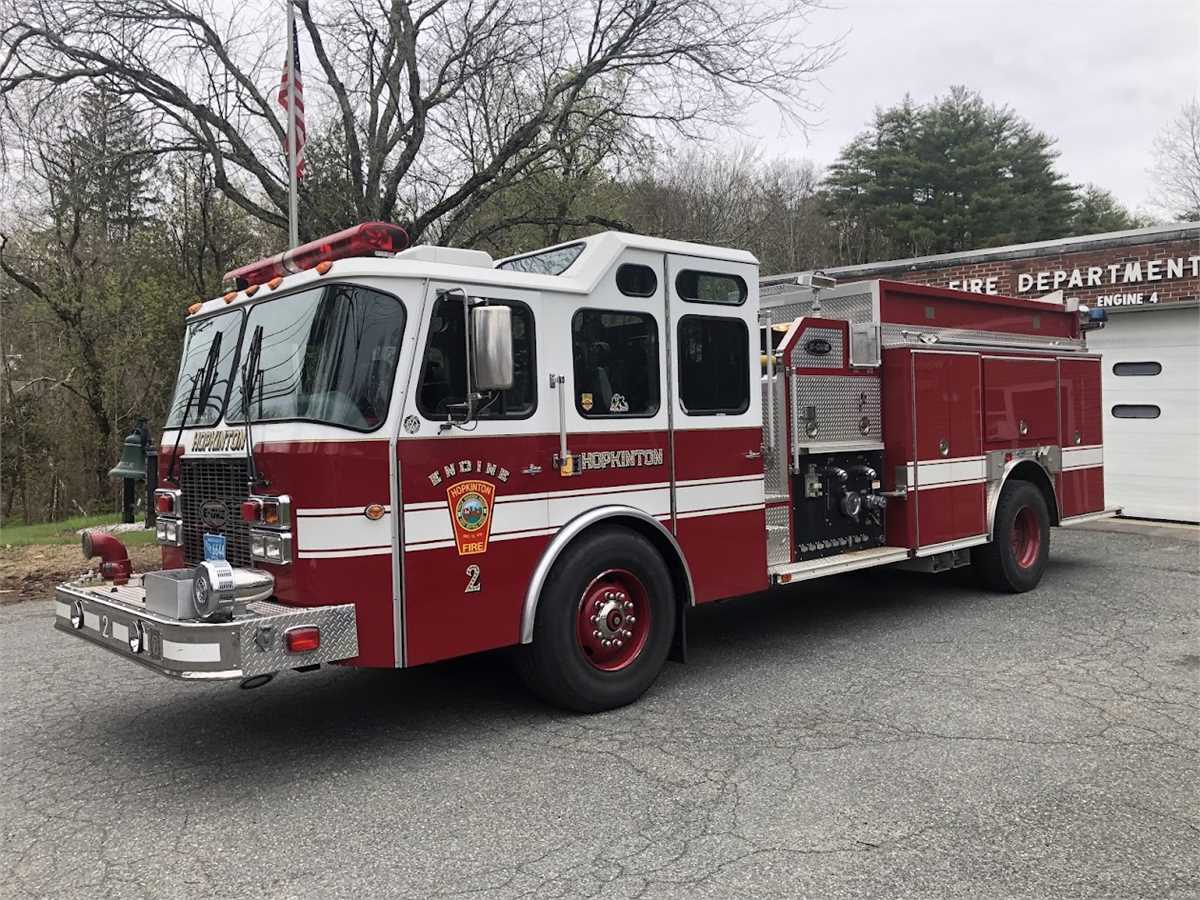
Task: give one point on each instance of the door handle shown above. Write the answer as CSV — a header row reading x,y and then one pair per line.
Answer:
x,y
753,454
532,469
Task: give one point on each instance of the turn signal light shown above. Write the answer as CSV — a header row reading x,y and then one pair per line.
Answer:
x,y
270,512
275,282
193,309
304,639
164,503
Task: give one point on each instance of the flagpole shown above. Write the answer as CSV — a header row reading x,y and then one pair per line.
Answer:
x,y
293,208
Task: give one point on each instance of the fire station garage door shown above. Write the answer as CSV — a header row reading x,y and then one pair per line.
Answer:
x,y
1152,412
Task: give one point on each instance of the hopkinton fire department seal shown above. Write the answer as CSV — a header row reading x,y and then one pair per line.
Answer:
x,y
470,505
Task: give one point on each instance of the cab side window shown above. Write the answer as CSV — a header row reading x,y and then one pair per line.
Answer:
x,y
616,364
714,365
443,387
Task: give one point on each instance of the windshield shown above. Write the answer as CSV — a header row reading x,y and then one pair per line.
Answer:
x,y
225,328
328,355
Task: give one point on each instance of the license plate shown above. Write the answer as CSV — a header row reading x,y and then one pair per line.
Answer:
x,y
214,546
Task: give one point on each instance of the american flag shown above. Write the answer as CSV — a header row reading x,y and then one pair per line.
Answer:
x,y
286,93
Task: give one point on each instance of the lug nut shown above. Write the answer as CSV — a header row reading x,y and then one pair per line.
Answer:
x,y
599,605
628,605
597,635
596,619
619,643
607,643
631,620
628,634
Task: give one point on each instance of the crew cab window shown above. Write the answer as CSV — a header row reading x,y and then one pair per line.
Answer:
x,y
714,365
711,287
616,363
328,355
443,388
545,262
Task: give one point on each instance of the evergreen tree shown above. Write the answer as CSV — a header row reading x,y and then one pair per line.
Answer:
x,y
1097,211
956,174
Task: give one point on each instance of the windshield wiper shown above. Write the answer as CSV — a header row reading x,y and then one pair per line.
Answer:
x,y
251,377
204,379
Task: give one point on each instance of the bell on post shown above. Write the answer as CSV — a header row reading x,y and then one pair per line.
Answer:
x,y
133,459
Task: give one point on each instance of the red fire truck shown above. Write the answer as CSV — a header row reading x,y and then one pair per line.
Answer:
x,y
380,455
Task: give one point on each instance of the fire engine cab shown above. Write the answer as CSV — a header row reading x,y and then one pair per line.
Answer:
x,y
380,455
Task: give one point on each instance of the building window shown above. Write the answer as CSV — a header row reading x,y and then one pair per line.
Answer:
x,y
1136,411
1137,368
711,287
616,363
714,366
636,281
443,389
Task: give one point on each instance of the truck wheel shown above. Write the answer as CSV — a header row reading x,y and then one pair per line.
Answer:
x,y
604,623
1016,557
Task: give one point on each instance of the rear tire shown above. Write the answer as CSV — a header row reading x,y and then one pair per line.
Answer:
x,y
1020,547
604,623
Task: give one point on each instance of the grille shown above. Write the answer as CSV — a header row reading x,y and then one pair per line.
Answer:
x,y
225,480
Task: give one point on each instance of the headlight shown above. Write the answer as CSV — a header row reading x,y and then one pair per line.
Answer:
x,y
168,532
271,546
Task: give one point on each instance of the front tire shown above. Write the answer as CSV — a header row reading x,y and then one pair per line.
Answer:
x,y
604,623
1020,547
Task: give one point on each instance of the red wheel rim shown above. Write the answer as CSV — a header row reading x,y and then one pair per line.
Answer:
x,y
1026,537
613,621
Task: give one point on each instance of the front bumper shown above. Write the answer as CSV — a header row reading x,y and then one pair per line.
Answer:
x,y
252,643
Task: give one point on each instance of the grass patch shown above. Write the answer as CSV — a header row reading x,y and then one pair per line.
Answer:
x,y
64,532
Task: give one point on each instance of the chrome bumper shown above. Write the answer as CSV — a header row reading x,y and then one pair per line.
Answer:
x,y
252,643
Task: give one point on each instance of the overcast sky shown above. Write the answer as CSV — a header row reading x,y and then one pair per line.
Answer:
x,y
1102,76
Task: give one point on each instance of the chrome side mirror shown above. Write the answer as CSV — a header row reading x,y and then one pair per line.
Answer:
x,y
492,348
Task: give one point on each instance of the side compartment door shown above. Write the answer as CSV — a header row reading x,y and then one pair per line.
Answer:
x,y
716,410
950,470
1081,482
473,494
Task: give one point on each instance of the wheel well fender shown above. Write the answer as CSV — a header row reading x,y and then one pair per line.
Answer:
x,y
636,520
1022,470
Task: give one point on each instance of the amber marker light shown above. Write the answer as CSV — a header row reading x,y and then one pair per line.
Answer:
x,y
229,298
374,512
193,309
323,267
275,282
252,290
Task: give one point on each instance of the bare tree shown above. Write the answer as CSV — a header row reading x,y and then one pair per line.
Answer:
x,y
1176,169
441,103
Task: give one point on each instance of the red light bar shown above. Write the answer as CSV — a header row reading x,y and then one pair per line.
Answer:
x,y
360,240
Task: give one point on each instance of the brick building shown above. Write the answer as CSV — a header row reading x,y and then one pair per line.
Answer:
x,y
1149,281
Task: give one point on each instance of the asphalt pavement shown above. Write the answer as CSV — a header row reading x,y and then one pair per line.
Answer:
x,y
877,735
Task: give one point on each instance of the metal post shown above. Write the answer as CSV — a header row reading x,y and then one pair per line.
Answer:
x,y
293,210
127,499
151,484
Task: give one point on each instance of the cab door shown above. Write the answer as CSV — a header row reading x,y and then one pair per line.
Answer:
x,y
716,419
609,350
473,493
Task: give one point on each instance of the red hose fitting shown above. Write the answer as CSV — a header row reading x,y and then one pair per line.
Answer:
x,y
114,558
